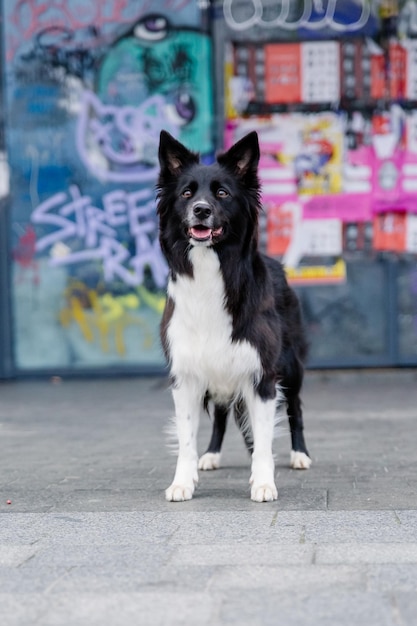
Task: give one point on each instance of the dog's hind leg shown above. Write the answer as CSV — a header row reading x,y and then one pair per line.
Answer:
x,y
300,458
243,422
210,460
291,386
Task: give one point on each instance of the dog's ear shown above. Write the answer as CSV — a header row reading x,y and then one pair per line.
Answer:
x,y
173,156
243,157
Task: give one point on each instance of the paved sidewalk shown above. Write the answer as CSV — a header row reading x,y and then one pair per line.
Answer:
x,y
88,538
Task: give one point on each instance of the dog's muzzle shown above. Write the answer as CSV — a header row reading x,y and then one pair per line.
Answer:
x,y
201,227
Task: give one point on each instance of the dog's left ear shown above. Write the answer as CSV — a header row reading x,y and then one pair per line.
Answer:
x,y
243,157
173,156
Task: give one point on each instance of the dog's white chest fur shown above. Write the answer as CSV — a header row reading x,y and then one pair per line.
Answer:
x,y
200,331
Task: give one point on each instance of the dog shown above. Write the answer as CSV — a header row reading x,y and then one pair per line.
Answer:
x,y
232,328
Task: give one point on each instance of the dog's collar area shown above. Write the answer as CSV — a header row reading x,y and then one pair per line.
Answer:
x,y
202,233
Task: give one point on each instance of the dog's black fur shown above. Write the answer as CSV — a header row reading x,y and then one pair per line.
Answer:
x,y
264,310
289,367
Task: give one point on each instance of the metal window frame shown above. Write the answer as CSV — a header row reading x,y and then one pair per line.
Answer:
x,y
6,344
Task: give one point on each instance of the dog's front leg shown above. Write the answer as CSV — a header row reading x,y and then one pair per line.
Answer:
x,y
262,418
188,406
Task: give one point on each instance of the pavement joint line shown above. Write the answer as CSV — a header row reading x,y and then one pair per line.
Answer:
x,y
57,580
397,518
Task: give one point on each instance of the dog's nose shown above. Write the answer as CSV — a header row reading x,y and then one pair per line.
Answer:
x,y
202,211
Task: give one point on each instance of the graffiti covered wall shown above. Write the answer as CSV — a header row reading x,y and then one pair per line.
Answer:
x,y
88,89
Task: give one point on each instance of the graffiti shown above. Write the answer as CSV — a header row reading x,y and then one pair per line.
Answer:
x,y
24,254
315,16
108,138
156,63
57,52
104,318
89,88
75,219
140,91
148,79
30,17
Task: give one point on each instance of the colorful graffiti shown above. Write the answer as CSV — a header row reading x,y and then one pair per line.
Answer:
x,y
339,16
29,19
107,138
103,317
24,254
89,89
95,232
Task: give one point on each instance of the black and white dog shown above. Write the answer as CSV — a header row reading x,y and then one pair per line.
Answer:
x,y
231,329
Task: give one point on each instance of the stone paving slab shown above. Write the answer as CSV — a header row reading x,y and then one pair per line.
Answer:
x,y
101,559
88,538
325,608
116,609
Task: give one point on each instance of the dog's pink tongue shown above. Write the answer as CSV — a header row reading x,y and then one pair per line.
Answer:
x,y
201,233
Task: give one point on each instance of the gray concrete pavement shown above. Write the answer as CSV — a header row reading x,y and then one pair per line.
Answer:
x,y
88,538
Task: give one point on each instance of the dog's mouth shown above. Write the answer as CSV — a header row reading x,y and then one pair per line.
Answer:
x,y
202,233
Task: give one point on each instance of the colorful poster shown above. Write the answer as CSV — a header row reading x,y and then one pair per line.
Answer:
x,y
336,166
320,71
302,72
390,232
301,156
283,73
395,232
411,234
394,143
306,73
300,163
293,238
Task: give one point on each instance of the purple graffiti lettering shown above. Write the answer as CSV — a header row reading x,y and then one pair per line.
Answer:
x,y
96,228
41,215
121,143
77,206
114,204
137,213
114,255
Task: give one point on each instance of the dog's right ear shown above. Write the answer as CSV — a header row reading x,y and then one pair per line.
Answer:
x,y
173,156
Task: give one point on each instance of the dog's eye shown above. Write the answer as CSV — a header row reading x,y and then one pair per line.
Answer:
x,y
187,193
221,193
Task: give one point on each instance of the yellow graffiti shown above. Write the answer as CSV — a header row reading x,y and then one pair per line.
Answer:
x,y
153,301
105,316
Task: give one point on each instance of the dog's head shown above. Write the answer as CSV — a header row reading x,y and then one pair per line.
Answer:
x,y
206,205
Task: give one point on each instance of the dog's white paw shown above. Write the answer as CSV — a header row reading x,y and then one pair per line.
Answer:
x,y
179,493
209,461
264,493
299,460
